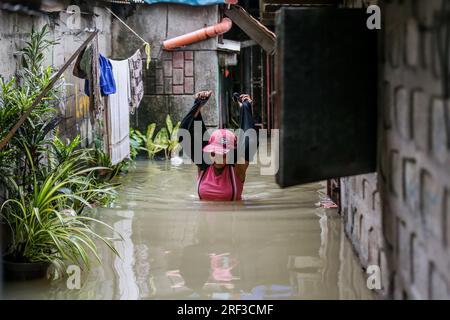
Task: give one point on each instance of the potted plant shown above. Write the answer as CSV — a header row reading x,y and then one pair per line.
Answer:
x,y
47,230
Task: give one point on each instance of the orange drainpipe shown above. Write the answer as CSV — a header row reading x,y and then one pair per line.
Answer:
x,y
199,35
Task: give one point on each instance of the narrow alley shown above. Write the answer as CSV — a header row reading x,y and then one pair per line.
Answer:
x,y
177,150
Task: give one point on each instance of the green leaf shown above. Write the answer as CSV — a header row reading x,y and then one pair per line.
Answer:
x,y
174,135
150,131
169,124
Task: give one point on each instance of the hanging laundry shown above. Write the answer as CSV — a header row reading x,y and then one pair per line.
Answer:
x,y
79,71
87,68
83,64
136,82
118,113
83,68
107,80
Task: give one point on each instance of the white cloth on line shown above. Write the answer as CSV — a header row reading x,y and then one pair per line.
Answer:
x,y
118,113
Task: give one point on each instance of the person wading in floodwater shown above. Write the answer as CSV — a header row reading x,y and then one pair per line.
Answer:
x,y
223,160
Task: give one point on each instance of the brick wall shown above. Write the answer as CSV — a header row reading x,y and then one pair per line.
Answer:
x,y
172,73
362,215
173,76
398,218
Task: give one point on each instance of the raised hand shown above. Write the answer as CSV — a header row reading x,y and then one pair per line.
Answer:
x,y
244,97
203,95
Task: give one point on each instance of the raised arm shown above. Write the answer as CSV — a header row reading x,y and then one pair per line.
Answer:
x,y
247,139
188,123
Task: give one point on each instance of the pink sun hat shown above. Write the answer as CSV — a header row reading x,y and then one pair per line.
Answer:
x,y
221,142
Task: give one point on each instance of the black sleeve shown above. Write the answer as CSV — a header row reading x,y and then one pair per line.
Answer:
x,y
244,141
188,124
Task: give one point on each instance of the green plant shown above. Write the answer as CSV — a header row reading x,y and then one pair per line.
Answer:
x,y
63,151
99,158
43,222
166,139
7,159
33,56
33,140
16,96
137,142
10,108
150,145
45,228
172,135
95,192
97,170
50,181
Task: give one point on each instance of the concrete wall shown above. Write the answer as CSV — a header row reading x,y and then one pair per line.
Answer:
x,y
170,82
398,218
173,77
15,29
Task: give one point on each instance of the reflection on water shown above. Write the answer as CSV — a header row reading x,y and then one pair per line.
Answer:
x,y
275,244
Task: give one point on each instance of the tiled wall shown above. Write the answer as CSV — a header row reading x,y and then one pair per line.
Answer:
x,y
173,73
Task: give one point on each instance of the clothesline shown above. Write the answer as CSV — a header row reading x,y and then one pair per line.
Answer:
x,y
121,84
146,44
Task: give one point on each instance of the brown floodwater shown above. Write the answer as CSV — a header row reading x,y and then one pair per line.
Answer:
x,y
275,244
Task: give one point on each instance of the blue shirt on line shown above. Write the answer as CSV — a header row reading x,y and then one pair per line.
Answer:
x,y
107,82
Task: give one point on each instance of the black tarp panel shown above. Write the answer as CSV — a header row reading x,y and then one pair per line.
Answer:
x,y
326,78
